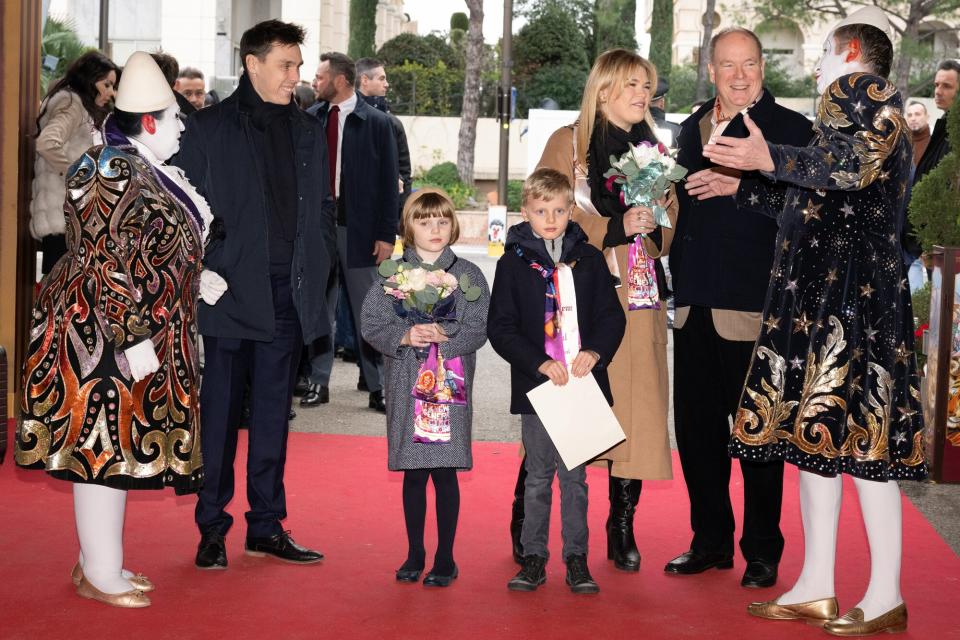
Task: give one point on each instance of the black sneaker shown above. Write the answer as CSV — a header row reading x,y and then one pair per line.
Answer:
x,y
532,575
578,576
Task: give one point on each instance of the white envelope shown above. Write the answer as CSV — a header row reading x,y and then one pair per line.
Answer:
x,y
577,418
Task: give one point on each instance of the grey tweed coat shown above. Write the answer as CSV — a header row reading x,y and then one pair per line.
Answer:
x,y
384,329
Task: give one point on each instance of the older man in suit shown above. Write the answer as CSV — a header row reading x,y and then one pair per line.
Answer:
x,y
720,261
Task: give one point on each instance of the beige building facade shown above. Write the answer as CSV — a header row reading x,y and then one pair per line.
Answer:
x,y
797,46
206,33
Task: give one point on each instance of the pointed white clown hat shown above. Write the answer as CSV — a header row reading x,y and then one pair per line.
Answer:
x,y
873,16
143,88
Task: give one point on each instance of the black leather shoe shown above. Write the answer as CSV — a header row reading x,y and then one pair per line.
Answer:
x,y
362,384
281,547
316,396
759,575
349,355
211,552
302,386
437,580
692,562
376,401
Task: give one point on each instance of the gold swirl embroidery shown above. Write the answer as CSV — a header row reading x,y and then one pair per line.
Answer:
x,y
819,382
881,94
872,148
830,113
916,456
33,443
871,442
771,408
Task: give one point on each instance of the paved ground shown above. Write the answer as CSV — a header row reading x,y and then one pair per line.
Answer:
x,y
347,413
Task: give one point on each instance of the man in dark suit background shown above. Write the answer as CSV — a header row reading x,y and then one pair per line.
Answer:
x,y
363,172
720,261
261,163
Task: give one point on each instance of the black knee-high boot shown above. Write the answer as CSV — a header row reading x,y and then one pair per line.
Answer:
x,y
621,545
516,518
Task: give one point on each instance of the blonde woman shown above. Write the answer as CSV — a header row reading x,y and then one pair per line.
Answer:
x,y
615,111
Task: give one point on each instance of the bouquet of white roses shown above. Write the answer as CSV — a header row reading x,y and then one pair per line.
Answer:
x,y
422,287
644,173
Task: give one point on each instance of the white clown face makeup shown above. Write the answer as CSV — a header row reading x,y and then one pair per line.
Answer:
x,y
833,63
165,139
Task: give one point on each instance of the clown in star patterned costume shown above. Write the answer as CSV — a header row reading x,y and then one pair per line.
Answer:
x,y
833,386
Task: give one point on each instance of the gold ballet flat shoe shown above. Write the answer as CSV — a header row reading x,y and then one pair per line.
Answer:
x,y
814,612
852,623
133,599
139,581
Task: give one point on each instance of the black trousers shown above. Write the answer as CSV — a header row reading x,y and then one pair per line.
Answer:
x,y
708,374
271,367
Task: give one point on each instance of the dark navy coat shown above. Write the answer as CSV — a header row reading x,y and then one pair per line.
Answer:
x,y
217,154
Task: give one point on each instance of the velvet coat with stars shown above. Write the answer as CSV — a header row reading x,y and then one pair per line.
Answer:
x,y
130,274
833,385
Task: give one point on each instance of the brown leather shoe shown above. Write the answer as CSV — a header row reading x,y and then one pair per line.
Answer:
x,y
815,612
852,623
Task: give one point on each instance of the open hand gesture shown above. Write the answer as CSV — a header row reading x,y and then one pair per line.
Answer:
x,y
746,154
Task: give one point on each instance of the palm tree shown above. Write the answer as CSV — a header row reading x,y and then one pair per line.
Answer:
x,y
61,44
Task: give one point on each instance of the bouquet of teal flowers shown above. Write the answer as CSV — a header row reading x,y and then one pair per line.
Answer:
x,y
644,174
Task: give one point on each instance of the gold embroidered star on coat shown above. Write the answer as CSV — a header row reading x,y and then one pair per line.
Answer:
x,y
855,354
832,276
786,245
830,159
802,324
906,413
772,323
754,199
812,212
903,354
855,383
846,209
866,291
796,363
791,165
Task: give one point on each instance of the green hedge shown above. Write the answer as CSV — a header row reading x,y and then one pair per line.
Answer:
x,y
426,91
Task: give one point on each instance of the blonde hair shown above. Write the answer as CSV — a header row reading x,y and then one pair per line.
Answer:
x,y
545,184
611,72
428,202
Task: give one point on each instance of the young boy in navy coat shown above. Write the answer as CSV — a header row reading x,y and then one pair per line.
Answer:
x,y
544,256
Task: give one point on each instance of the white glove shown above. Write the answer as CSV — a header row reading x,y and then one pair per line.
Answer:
x,y
212,286
142,360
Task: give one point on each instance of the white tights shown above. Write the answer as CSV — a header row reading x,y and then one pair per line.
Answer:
x,y
820,499
99,512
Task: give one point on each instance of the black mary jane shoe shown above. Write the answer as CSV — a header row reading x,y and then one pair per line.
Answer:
x,y
437,580
409,575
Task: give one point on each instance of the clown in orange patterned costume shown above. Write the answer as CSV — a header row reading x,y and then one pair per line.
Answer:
x,y
110,375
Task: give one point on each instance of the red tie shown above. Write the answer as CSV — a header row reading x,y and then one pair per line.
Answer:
x,y
333,129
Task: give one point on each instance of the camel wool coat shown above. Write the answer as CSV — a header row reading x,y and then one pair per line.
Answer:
x,y
638,373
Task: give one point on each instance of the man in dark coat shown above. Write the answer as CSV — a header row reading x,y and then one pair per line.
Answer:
x,y
262,165
720,261
657,105
363,173
945,84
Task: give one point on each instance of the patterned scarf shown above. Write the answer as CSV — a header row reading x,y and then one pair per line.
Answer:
x,y
561,333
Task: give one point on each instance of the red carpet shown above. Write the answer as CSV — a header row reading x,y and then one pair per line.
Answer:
x,y
343,500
